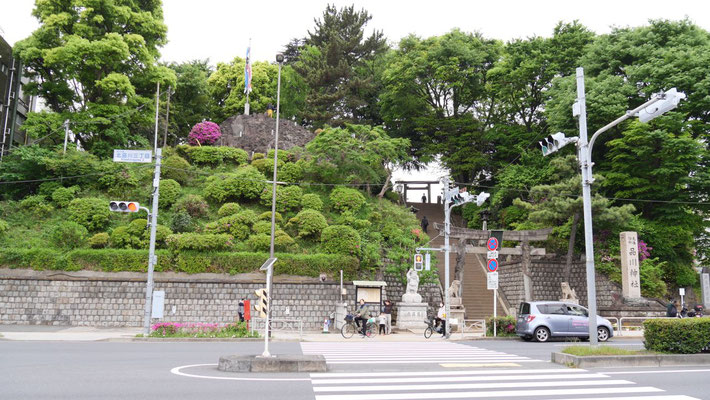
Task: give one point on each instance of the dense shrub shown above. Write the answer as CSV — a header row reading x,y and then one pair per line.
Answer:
x,y
181,222
262,242
246,183
228,209
505,326
122,239
204,133
238,225
346,199
284,242
291,172
309,223
4,227
257,156
63,196
69,235
199,242
36,205
266,216
176,168
340,239
169,192
262,227
287,198
192,204
312,201
99,240
214,155
47,188
91,212
186,261
120,180
135,235
683,336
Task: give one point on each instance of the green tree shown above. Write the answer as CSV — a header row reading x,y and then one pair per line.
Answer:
x,y
341,68
190,102
92,61
226,88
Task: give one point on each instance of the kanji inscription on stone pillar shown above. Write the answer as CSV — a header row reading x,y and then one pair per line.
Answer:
x,y
630,275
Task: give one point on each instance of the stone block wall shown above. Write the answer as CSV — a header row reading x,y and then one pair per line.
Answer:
x,y
86,298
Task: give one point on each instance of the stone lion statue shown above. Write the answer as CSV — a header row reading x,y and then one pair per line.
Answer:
x,y
454,290
568,293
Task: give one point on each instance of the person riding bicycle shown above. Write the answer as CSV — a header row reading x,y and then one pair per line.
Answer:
x,y
441,319
362,314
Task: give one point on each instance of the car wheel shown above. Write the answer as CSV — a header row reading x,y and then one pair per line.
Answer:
x,y
542,334
602,334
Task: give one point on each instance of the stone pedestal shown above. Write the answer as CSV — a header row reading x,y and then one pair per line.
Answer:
x,y
458,314
411,315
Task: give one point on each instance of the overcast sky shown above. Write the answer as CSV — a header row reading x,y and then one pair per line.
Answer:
x,y
220,29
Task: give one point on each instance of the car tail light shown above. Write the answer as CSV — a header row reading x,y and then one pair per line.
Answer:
x,y
530,318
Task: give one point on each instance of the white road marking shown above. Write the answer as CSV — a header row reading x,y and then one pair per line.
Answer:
x,y
486,394
502,377
656,371
444,373
460,386
177,371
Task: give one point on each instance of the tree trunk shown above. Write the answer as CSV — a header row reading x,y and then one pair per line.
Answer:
x,y
570,248
386,185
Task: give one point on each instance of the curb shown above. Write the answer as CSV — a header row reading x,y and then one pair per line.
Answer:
x,y
649,360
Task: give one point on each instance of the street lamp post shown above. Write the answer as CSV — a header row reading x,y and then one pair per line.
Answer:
x,y
661,103
270,269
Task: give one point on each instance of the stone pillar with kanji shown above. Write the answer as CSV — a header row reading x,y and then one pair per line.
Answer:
x,y
630,268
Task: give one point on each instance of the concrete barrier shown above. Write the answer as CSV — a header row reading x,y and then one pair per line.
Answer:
x,y
641,360
277,363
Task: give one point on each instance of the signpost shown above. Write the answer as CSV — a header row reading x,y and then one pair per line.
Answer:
x,y
682,295
492,281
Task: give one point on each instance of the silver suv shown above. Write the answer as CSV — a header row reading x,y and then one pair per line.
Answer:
x,y
541,320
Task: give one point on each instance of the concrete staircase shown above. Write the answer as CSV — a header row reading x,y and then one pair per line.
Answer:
x,y
477,300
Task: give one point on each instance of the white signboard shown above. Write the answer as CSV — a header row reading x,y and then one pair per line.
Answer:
x,y
427,261
492,281
492,254
158,303
630,275
133,156
682,291
705,285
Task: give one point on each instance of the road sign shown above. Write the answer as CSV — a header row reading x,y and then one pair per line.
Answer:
x,y
492,254
682,291
134,156
492,265
492,281
427,261
158,304
492,244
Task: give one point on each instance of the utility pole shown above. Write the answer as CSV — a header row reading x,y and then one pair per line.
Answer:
x,y
447,231
152,258
167,119
157,110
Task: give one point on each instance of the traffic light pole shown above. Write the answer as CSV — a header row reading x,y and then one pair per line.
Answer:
x,y
152,258
447,230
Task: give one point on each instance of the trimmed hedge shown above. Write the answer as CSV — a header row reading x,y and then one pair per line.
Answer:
x,y
683,336
209,155
198,241
192,262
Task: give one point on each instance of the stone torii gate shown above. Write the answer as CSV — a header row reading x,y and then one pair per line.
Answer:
x,y
465,236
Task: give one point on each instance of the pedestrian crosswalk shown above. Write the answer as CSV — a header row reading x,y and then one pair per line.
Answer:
x,y
549,384
369,352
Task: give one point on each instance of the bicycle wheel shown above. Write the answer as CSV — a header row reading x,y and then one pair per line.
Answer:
x,y
428,332
348,330
371,330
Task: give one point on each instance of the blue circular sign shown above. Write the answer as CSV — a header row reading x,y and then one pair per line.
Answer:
x,y
492,264
492,244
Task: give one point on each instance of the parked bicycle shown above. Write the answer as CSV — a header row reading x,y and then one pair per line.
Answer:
x,y
350,327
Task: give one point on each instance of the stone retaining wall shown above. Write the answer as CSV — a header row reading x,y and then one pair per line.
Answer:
x,y
86,298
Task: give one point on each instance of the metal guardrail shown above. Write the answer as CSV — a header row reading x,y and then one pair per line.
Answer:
x,y
472,325
279,324
622,319
617,330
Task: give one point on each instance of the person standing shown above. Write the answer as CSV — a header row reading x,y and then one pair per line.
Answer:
x,y
241,310
387,312
423,198
425,224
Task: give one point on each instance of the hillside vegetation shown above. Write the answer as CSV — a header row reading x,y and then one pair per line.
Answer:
x,y
215,210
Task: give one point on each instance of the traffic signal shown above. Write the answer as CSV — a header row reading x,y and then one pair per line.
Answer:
x,y
124,206
262,303
481,198
555,142
670,101
418,262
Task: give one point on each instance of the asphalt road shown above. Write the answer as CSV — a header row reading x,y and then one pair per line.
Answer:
x,y
359,370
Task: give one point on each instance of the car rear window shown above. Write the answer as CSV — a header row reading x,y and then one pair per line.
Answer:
x,y
524,309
